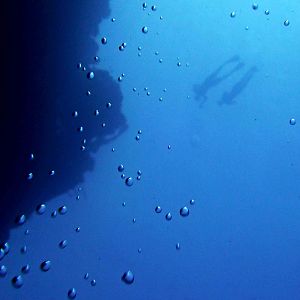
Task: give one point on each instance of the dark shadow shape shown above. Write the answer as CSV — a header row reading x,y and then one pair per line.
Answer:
x,y
216,78
44,41
228,97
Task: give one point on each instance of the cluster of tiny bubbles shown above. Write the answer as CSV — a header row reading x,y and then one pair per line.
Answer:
x,y
20,220
90,75
145,29
177,246
168,216
104,40
184,211
63,210
17,281
129,181
255,6
25,269
86,276
154,8
267,12
96,58
75,113
72,293
121,168
29,176
122,46
63,244
52,172
158,209
293,121
3,271
24,249
192,201
88,93
128,277
45,265
93,282
232,14
40,209
286,23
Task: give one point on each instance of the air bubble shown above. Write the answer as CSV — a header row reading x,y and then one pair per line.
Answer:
x,y
158,209
267,12
20,220
184,211
25,269
121,168
293,121
232,14
192,201
145,29
93,282
63,210
168,216
90,75
3,271
255,6
45,265
72,293
129,181
41,209
128,277
17,281
63,244
104,40
29,176
286,23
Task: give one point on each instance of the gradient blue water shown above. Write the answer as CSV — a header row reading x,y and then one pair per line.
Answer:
x,y
239,161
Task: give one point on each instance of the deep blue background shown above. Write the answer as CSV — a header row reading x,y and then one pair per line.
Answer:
x,y
228,88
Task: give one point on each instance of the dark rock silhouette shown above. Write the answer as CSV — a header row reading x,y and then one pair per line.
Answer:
x,y
44,41
228,97
215,78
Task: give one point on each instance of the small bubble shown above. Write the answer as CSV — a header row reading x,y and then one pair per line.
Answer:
x,y
77,229
113,149
161,17
86,276
139,48
26,232
79,65
23,249
160,99
179,64
148,93
2,254
133,220
41,208
5,247
168,216
45,265
17,281
75,114
88,93
72,293
63,244
192,201
54,214
113,19
267,12
158,209
120,78
3,271
139,172
140,131
93,282
31,156
137,137
90,75
80,129
63,210
128,277
104,40
103,125
145,29
154,8
160,60
177,246
121,168
29,176
83,68
96,58
108,105
232,14
144,5
138,178
293,121
169,147
129,181
124,204
96,112
20,220
286,23
123,176
25,269
184,211
140,250
255,6
121,48
134,89
52,173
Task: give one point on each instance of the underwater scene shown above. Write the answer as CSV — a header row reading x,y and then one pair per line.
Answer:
x,y
150,150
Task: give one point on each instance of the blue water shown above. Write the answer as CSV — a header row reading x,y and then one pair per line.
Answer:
x,y
215,127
